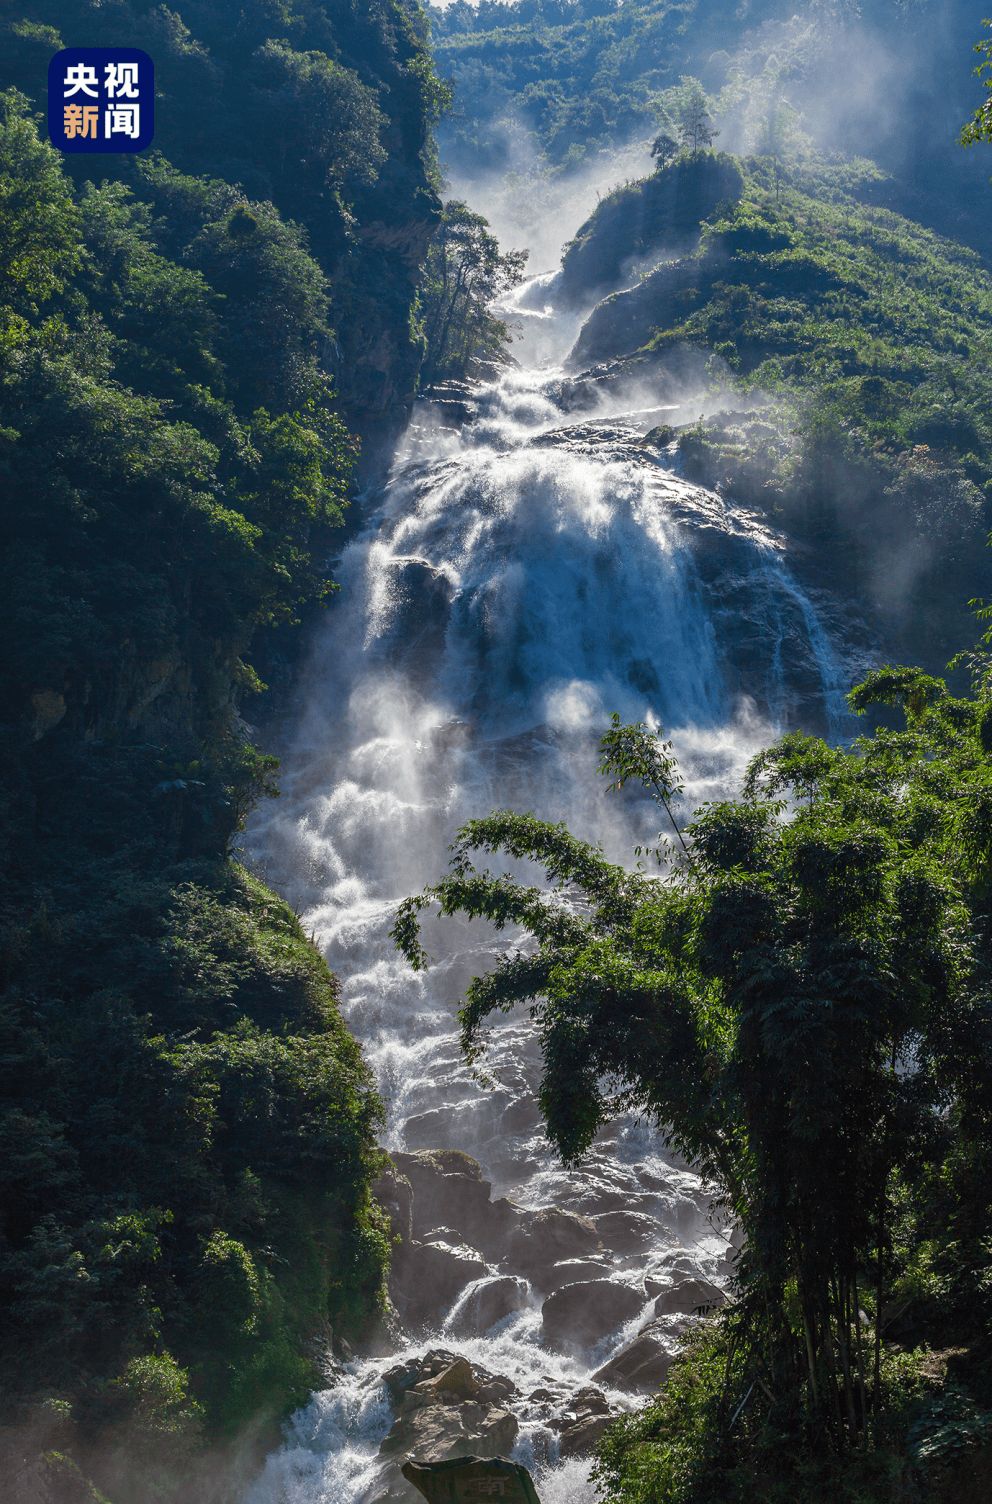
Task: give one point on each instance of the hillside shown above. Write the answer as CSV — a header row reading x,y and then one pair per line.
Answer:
x,y
850,363
551,89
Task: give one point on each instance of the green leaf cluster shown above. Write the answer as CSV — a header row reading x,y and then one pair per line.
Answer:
x,y
463,275
188,1129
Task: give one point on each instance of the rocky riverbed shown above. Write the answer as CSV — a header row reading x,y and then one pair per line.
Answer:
x,y
616,1285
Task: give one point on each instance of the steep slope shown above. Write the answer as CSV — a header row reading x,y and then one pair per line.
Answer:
x,y
189,1131
851,354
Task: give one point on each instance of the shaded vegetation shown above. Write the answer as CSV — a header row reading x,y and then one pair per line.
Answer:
x,y
323,112
188,1130
576,76
803,1010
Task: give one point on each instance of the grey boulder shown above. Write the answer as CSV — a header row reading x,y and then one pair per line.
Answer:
x,y
584,1313
488,1303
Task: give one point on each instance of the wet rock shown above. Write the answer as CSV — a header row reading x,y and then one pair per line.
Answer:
x,y
584,1313
401,1378
449,1235
628,1232
521,1117
422,602
446,1407
642,1366
457,1380
488,1303
690,1297
434,1432
498,1389
427,1277
591,1416
449,1191
542,1239
572,1272
590,1400
582,1439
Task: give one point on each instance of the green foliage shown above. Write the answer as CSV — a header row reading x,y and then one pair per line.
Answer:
x,y
324,114
188,1130
463,274
37,214
580,76
801,1007
662,213
979,127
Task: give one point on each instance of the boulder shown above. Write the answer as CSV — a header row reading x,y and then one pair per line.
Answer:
x,y
628,1232
434,1432
449,1191
590,1401
586,1312
591,1416
428,1276
541,1239
690,1297
457,1379
572,1272
642,1366
472,1478
582,1439
486,1303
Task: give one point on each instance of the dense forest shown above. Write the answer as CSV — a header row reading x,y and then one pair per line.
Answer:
x,y
189,1132
199,347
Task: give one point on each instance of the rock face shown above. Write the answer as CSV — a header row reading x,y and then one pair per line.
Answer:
x,y
642,1366
592,1416
628,1232
542,1239
573,1272
427,1277
586,1312
449,1191
690,1297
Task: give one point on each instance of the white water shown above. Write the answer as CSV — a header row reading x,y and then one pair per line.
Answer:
x,y
514,584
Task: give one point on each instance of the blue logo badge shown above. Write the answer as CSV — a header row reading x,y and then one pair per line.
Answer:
x,y
101,99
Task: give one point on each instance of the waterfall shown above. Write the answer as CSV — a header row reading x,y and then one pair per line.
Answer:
x,y
515,581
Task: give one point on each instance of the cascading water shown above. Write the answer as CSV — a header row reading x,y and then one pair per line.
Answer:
x,y
515,582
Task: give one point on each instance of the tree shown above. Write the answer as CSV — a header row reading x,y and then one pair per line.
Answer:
x,y
665,148
38,219
979,127
692,115
464,274
795,1005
